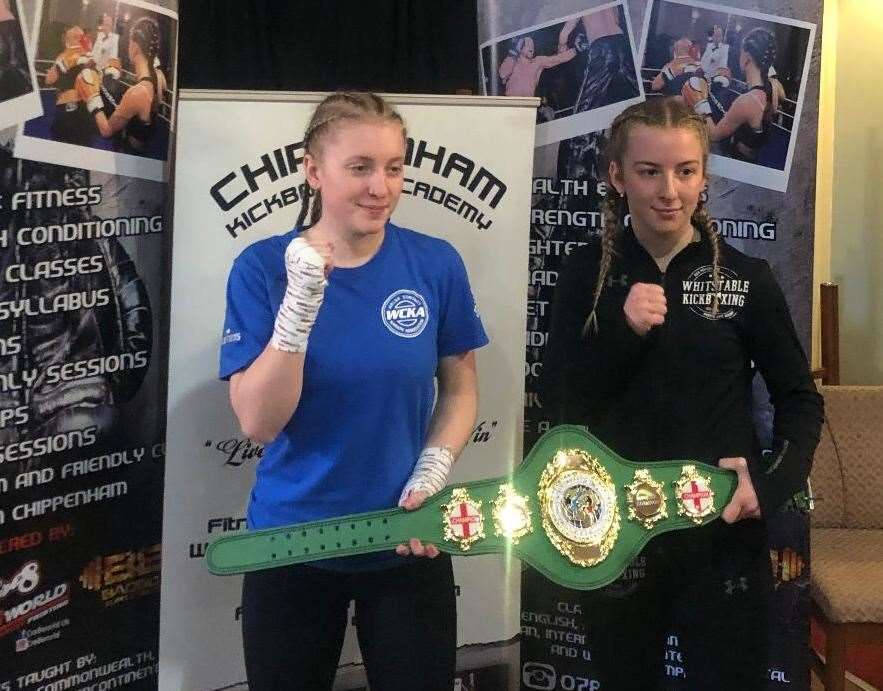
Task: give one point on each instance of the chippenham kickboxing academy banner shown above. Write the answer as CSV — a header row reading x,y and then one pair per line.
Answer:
x,y
83,316
239,179
586,61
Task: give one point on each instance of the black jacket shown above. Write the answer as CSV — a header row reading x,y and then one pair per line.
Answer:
x,y
684,391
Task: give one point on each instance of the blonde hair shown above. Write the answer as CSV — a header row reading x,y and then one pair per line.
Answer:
x,y
682,48
665,113
339,107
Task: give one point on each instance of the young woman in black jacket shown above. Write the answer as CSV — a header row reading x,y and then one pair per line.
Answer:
x,y
657,332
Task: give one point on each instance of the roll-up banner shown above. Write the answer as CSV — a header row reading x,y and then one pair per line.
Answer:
x,y
586,62
239,179
87,92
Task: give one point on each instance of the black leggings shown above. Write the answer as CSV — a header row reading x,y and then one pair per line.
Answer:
x,y
716,598
294,619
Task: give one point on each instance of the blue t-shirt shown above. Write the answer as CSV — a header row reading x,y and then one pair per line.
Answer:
x,y
368,384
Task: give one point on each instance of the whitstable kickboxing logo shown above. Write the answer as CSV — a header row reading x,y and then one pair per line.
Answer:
x,y
699,291
405,313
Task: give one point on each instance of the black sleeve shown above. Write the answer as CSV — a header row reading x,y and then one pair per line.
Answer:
x,y
583,369
798,407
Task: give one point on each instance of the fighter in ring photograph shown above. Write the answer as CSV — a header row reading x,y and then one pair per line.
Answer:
x,y
522,68
671,79
745,72
582,68
106,76
608,74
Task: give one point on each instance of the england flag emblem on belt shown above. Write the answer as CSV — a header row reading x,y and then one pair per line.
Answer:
x,y
463,522
694,494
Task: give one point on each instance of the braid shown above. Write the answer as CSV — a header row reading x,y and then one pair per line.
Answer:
x,y
145,33
316,210
768,109
760,44
305,195
612,225
702,221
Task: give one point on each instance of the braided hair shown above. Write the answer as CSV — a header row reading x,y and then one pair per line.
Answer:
x,y
668,113
145,34
351,106
760,44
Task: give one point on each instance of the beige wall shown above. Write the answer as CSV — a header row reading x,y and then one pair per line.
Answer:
x,y
849,196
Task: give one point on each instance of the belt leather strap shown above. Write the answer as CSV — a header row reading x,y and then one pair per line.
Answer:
x,y
574,510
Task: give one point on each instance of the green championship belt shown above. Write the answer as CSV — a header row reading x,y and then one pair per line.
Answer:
x,y
574,510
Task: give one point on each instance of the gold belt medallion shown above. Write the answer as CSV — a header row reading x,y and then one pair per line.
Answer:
x,y
578,506
646,499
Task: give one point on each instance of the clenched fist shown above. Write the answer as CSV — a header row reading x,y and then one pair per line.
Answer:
x,y
645,307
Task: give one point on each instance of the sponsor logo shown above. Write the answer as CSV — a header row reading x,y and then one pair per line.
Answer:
x,y
405,313
123,576
26,579
31,638
50,600
231,337
537,675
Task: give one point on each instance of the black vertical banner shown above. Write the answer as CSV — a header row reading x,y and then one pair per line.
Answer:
x,y
587,60
84,244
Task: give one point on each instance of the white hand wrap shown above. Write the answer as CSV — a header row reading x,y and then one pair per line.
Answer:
x,y
702,107
303,297
431,472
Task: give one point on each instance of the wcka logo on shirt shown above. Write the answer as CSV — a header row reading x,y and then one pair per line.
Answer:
x,y
699,291
405,313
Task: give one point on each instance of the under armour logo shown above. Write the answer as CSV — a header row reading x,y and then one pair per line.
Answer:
x,y
622,281
730,586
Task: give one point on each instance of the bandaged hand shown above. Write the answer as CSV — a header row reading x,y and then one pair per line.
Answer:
x,y
307,266
430,475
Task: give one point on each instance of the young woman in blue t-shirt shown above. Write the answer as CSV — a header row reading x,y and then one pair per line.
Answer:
x,y
334,338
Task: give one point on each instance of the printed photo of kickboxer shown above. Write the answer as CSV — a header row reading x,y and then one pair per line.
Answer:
x,y
743,71
105,74
582,68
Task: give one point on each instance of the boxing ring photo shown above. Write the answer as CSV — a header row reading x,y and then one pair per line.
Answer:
x,y
754,68
106,82
581,67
